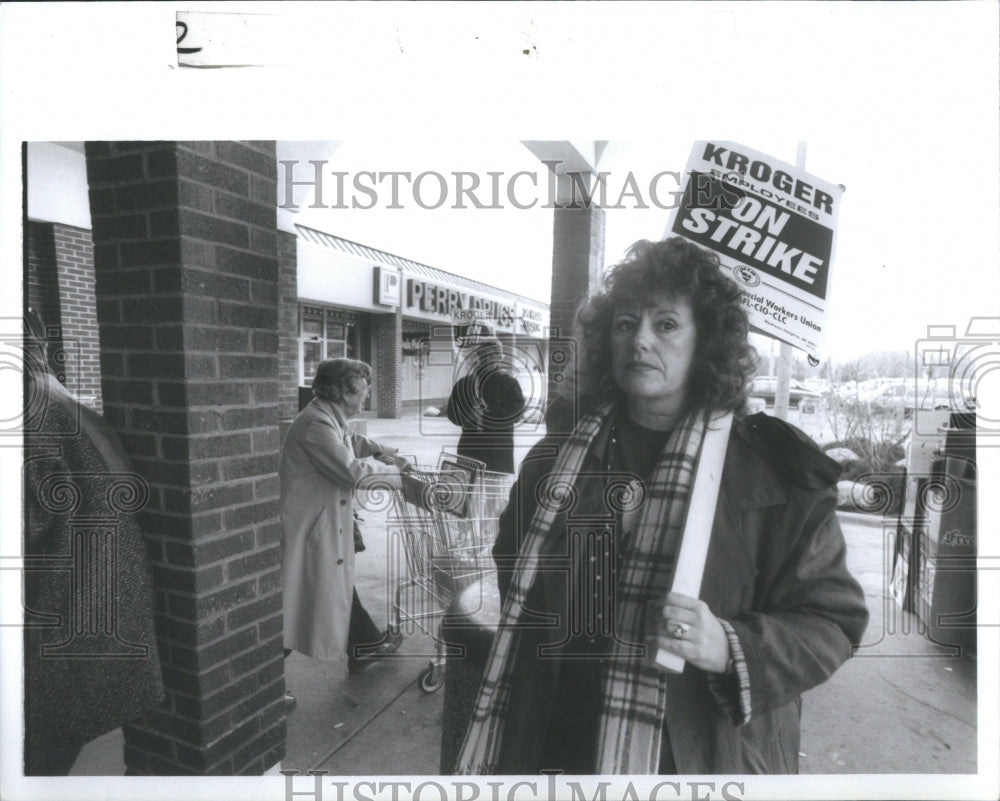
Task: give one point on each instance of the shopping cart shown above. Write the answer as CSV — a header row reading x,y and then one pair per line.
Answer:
x,y
447,521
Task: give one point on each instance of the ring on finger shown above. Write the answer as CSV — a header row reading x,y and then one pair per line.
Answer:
x,y
679,630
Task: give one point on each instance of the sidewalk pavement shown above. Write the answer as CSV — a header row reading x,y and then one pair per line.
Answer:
x,y
904,704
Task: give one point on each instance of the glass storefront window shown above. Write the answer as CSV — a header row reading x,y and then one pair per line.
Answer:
x,y
336,324
311,327
324,334
312,355
351,341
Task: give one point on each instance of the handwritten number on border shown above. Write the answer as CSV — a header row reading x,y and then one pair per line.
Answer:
x,y
181,34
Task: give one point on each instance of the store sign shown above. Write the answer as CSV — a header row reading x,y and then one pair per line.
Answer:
x,y
450,303
387,286
772,226
531,320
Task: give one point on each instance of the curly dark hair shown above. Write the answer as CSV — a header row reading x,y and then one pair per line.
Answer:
x,y
724,361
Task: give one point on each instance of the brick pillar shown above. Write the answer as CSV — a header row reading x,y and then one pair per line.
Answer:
x,y
41,281
187,297
288,325
60,285
387,363
41,275
74,250
577,261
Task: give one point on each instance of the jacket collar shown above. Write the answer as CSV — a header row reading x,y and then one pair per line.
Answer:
x,y
332,409
748,481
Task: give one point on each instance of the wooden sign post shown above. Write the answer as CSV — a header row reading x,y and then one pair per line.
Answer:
x,y
698,525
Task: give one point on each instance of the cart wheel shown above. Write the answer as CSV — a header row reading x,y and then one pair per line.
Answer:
x,y
431,679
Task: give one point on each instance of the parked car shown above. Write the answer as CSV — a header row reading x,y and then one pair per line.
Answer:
x,y
867,390
766,386
909,395
846,390
820,385
863,391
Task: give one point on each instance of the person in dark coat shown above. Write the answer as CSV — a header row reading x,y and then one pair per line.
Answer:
x,y
587,546
486,403
90,656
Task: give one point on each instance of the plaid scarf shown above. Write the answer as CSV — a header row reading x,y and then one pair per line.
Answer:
x,y
634,690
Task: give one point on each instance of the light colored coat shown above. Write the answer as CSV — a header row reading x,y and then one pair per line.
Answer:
x,y
321,464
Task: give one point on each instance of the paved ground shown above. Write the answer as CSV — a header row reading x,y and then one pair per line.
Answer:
x,y
903,705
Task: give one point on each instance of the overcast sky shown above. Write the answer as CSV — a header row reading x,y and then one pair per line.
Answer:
x,y
897,102
917,236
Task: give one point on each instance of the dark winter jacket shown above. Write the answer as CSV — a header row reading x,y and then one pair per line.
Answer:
x,y
487,408
775,571
91,661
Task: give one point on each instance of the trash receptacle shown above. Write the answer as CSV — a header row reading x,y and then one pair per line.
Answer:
x,y
947,578
947,582
922,454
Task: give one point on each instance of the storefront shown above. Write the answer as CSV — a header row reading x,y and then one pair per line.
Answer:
x,y
345,299
195,332
344,288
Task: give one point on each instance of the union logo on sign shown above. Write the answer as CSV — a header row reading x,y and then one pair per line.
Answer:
x,y
746,275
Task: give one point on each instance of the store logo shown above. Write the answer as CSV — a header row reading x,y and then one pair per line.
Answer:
x,y
746,275
387,286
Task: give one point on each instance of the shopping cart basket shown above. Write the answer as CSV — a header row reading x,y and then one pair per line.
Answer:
x,y
447,520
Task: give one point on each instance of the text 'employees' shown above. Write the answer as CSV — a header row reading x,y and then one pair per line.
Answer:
x,y
740,164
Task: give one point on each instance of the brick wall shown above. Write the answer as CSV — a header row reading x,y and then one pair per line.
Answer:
x,y
74,252
187,298
288,325
59,285
41,280
387,361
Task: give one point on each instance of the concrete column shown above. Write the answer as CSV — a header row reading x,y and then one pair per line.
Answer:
x,y
187,299
577,261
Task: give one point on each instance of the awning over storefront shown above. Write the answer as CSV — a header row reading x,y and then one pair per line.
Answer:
x,y
426,294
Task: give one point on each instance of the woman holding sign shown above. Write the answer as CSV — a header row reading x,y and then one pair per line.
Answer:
x,y
590,548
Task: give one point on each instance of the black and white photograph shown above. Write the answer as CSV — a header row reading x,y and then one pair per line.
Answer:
x,y
513,400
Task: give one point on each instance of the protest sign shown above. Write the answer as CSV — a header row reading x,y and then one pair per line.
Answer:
x,y
773,227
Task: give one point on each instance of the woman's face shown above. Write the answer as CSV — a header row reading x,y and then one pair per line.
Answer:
x,y
355,399
652,346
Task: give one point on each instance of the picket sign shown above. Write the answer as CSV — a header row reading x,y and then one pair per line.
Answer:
x,y
698,525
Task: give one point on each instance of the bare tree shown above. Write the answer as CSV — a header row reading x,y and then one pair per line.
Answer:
x,y
874,434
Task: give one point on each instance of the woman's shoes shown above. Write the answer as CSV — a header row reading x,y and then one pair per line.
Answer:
x,y
368,656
